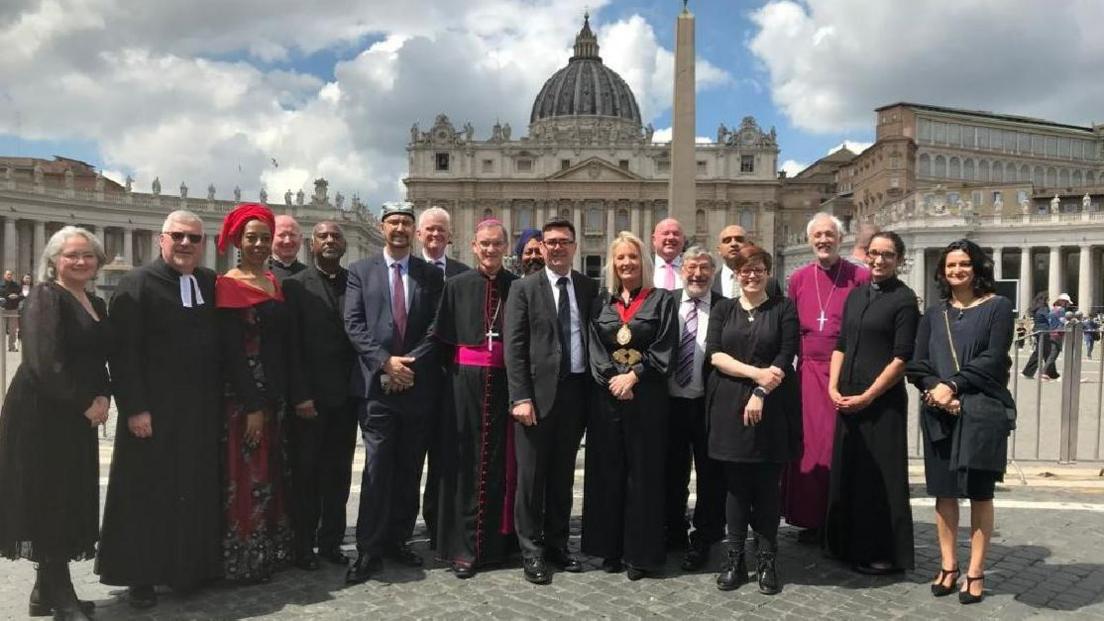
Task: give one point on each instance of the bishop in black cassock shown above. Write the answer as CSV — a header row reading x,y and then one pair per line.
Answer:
x,y
478,474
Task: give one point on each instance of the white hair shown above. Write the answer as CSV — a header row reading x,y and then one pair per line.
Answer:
x,y
181,216
47,265
696,252
824,215
436,212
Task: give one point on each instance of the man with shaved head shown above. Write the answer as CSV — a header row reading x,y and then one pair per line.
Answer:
x,y
731,239
668,240
286,242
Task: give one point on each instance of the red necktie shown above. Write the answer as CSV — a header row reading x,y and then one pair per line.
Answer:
x,y
398,306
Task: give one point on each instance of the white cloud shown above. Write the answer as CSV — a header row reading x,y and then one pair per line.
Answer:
x,y
205,92
792,167
831,62
664,134
854,146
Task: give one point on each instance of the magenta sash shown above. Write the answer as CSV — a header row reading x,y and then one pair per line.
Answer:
x,y
480,357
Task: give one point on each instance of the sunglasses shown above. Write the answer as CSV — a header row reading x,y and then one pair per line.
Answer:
x,y
179,236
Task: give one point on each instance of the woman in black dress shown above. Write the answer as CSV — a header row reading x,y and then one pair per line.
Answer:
x,y
961,357
49,458
754,409
632,338
869,521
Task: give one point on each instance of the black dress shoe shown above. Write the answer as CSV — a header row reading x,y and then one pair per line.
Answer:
x,y
363,568
612,566
334,555
405,555
634,573
307,561
141,597
463,571
563,560
696,557
536,571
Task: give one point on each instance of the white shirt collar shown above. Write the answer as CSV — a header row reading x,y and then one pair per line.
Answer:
x,y
404,262
553,276
703,300
443,260
660,261
188,284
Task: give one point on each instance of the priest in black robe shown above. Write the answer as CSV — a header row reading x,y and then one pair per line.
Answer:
x,y
869,523
475,525
162,520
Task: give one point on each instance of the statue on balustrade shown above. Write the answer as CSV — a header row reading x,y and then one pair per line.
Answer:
x,y
237,194
1086,203
211,192
156,186
339,201
469,131
299,197
183,190
263,195
129,183
998,205
1055,204
287,195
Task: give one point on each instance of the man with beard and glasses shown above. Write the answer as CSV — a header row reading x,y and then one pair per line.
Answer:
x,y
286,242
731,239
162,519
434,233
546,363
390,303
819,291
476,526
321,447
687,431
668,241
528,252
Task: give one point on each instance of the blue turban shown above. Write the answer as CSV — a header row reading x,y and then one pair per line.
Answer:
x,y
524,238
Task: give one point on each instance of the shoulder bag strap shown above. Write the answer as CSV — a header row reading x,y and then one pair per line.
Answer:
x,y
950,339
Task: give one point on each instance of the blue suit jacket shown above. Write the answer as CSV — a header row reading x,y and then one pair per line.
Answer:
x,y
371,327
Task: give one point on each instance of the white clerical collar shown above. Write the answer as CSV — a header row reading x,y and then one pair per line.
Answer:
x,y
188,284
553,277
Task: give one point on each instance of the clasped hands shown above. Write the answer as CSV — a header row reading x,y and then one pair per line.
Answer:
x,y
942,397
621,386
400,374
851,403
768,379
97,411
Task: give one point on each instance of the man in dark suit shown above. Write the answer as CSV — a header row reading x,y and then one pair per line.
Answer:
x,y
546,367
731,239
686,429
390,303
321,447
435,234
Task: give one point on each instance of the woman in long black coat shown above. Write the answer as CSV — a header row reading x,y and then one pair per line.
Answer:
x,y
632,337
49,457
753,404
869,522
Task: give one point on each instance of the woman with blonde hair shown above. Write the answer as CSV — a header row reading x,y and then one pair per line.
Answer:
x,y
633,332
49,457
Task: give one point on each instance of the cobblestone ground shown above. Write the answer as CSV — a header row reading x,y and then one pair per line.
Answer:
x,y
1047,561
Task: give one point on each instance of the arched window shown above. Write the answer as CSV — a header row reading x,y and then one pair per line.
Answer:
x,y
523,218
700,224
1078,181
940,169
968,172
621,221
1064,178
1051,177
983,170
747,219
1038,177
1025,174
998,172
954,169
565,213
924,166
661,212
1090,178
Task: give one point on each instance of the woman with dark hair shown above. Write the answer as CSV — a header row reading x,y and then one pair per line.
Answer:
x,y
962,366
49,458
753,403
1040,318
259,350
869,521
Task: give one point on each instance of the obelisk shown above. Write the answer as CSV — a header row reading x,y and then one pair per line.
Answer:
x,y
681,192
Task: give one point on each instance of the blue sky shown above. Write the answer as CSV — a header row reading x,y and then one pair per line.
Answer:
x,y
330,88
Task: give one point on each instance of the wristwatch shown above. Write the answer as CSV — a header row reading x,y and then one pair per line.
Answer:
x,y
760,392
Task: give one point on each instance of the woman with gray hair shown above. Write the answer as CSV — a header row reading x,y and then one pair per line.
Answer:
x,y
633,333
49,458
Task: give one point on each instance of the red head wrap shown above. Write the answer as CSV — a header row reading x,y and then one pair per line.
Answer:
x,y
234,223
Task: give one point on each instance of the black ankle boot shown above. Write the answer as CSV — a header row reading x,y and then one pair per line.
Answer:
x,y
734,570
41,604
765,567
60,593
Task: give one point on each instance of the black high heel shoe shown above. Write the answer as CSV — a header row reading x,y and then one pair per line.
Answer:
x,y
965,596
938,589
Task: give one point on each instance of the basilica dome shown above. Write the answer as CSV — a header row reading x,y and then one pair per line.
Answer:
x,y
586,87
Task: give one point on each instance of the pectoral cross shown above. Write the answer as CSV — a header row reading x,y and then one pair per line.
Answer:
x,y
490,336
821,320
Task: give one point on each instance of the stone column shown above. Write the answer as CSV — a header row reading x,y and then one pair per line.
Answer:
x,y
919,279
128,245
210,254
1054,277
577,216
1085,292
39,241
681,193
507,222
634,218
611,222
155,245
1027,279
998,268
11,244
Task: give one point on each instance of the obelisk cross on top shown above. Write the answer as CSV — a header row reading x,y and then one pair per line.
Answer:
x,y
681,188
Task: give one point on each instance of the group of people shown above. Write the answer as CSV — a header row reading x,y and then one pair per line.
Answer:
x,y
12,297
240,395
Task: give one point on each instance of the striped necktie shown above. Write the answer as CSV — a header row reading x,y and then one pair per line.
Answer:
x,y
689,342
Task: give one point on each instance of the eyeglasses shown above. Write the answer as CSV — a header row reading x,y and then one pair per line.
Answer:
x,y
179,236
888,255
752,271
558,243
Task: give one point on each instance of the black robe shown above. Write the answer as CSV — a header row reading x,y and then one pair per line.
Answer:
x,y
49,457
162,519
475,517
623,497
869,517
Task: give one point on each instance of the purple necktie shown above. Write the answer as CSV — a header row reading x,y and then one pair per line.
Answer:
x,y
398,307
685,371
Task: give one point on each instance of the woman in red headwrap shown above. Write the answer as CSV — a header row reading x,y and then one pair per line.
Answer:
x,y
259,346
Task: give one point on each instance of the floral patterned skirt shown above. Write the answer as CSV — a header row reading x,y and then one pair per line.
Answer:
x,y
258,536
